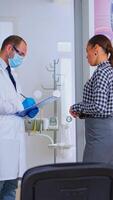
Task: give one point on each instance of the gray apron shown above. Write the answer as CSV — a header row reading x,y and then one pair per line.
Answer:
x,y
99,140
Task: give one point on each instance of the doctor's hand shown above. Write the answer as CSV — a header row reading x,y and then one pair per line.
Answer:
x,y
28,102
33,112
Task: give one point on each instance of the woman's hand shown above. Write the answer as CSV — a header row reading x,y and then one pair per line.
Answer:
x,y
73,113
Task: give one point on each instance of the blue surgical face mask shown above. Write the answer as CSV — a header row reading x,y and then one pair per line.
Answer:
x,y
15,61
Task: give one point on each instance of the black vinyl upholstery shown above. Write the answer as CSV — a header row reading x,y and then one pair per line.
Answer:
x,y
68,181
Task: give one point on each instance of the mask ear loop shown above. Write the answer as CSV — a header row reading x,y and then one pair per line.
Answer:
x,y
11,54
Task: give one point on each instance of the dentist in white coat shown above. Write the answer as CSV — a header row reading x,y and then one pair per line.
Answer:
x,y
12,133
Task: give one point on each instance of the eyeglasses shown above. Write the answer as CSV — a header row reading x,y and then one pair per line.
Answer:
x,y
17,51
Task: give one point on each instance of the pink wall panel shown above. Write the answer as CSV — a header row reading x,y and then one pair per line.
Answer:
x,y
104,17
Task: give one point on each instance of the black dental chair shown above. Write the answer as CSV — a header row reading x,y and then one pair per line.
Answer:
x,y
68,181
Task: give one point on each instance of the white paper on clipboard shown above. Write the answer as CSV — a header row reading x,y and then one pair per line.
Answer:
x,y
40,104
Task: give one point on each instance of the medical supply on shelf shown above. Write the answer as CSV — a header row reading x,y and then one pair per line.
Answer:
x,y
33,125
48,124
53,123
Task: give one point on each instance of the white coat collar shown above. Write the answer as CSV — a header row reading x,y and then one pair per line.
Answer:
x,y
3,64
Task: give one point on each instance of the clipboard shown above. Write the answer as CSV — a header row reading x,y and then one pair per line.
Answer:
x,y
40,104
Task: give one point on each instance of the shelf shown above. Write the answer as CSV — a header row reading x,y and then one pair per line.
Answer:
x,y
60,146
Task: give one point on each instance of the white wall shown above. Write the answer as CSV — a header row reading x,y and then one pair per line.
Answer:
x,y
42,23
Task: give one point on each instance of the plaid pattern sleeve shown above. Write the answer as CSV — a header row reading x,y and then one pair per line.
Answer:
x,y
98,93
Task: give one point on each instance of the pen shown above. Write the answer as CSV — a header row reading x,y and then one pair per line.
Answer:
x,y
23,95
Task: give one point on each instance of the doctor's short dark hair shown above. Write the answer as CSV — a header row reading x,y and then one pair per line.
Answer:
x,y
13,40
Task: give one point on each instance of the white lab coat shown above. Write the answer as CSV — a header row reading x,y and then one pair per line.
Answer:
x,y
12,132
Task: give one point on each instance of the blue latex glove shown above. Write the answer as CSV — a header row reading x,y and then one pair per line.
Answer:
x,y
29,102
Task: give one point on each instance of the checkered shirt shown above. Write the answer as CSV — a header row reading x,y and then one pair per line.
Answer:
x,y
97,94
